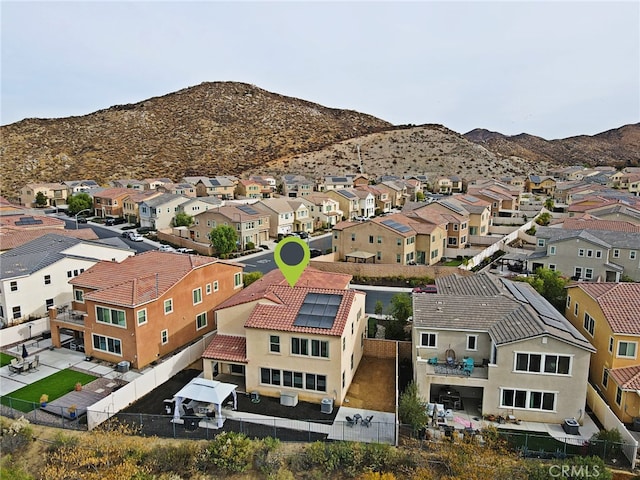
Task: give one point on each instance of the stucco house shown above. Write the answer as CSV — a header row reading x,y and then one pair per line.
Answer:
x,y
158,212
56,194
250,224
34,275
305,342
608,315
501,347
324,210
145,307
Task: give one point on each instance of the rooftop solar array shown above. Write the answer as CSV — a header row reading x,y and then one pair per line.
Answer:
x,y
452,206
247,209
347,193
318,310
398,227
28,221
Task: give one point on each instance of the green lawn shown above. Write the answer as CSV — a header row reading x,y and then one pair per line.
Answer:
x,y
5,359
453,263
56,385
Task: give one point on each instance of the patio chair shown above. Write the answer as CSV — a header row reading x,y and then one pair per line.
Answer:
x,y
366,421
433,361
34,365
15,366
350,421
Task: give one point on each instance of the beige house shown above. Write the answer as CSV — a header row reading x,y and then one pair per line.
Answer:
x,y
381,196
221,187
348,201
281,215
268,336
56,194
250,224
467,351
249,188
324,210
454,217
131,203
296,186
479,212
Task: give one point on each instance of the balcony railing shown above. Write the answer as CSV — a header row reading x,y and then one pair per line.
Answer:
x,y
65,314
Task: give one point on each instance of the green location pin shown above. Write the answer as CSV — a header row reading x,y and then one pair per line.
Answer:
x,y
292,256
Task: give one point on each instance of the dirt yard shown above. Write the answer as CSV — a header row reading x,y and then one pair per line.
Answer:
x,y
373,387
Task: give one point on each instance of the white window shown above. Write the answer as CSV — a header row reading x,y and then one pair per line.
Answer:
x,y
107,344
605,378
527,399
201,320
472,342
589,323
581,252
216,286
197,296
616,253
598,253
568,301
575,309
632,255
13,286
588,273
237,280
543,363
207,289
168,306
610,344
627,349
274,343
299,346
78,296
552,267
429,340
589,253
164,336
552,250
142,316
619,396
111,316
541,242
47,279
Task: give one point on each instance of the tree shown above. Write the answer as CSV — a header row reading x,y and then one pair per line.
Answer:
x,y
41,199
549,204
544,219
223,238
79,202
182,220
419,197
249,278
550,285
400,307
379,308
412,409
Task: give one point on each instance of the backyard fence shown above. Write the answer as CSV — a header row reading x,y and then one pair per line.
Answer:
x,y
16,408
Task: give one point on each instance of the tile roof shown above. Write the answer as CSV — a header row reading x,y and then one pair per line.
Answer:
x,y
227,348
628,378
481,284
28,221
115,192
619,302
282,315
310,277
596,224
140,278
14,237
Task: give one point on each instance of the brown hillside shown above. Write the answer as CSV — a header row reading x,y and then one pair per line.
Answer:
x,y
431,149
210,129
618,147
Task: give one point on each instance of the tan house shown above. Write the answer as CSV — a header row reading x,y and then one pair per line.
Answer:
x,y
250,224
221,187
281,215
382,198
452,216
296,186
348,201
145,307
56,194
607,314
467,351
324,210
131,203
278,339
110,201
540,184
247,188
184,189
479,212
501,197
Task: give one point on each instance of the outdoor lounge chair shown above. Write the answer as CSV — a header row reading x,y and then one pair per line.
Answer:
x,y
34,365
367,421
350,421
15,366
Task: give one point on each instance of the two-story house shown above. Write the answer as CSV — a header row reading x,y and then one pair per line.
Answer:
x,y
219,186
147,306
305,342
397,191
251,224
588,254
34,276
184,189
158,212
543,185
453,216
55,193
608,315
382,198
479,212
80,186
324,210
348,201
367,202
247,188
281,215
197,205
131,204
110,201
501,347
296,185
334,183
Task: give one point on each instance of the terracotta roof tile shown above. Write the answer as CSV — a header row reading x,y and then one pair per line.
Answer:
x,y
42,221
227,348
619,302
628,378
140,278
14,237
310,277
282,316
596,224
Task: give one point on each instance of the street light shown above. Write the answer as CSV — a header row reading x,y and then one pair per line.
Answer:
x,y
85,210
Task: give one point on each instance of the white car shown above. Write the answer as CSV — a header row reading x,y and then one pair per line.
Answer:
x,y
136,237
186,250
166,248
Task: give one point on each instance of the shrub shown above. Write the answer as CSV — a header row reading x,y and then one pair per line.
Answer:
x,y
15,435
180,458
231,452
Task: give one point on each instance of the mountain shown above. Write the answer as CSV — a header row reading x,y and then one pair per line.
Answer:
x,y
210,129
618,147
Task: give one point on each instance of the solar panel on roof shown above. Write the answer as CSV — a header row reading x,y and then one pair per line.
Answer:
x,y
452,206
347,193
318,310
398,227
248,210
28,221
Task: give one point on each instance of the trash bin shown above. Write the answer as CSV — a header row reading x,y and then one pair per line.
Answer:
x,y
123,366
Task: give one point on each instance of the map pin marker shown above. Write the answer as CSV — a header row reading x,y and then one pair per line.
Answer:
x,y
292,257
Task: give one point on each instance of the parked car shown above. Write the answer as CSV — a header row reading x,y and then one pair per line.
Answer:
x,y
315,252
111,221
185,250
144,230
166,248
303,235
135,237
425,289
82,219
263,246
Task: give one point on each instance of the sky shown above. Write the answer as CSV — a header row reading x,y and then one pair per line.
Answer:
x,y
547,68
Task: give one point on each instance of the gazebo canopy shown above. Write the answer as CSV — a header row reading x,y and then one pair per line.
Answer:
x,y
203,390
360,256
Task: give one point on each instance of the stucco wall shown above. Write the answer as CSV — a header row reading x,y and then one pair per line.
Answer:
x,y
382,270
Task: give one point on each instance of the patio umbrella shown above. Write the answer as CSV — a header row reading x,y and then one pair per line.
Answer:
x,y
25,354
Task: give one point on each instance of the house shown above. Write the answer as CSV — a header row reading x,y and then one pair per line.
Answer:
x,y
197,205
110,201
55,193
158,212
334,183
588,254
296,185
131,203
608,315
145,307
282,343
324,211
221,187
184,189
302,219
359,180
155,183
542,185
479,212
250,224
504,199
451,215
11,238
248,188
500,346
348,202
80,186
367,203
396,239
34,275
269,184
381,196
130,183
448,185
281,215
397,191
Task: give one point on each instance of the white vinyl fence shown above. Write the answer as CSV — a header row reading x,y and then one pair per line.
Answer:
x,y
21,332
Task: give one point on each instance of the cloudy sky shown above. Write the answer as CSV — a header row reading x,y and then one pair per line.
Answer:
x,y
553,69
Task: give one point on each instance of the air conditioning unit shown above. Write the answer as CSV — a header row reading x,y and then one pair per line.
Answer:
x,y
326,406
288,399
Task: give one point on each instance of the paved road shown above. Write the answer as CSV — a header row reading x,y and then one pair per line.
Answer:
x,y
264,262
